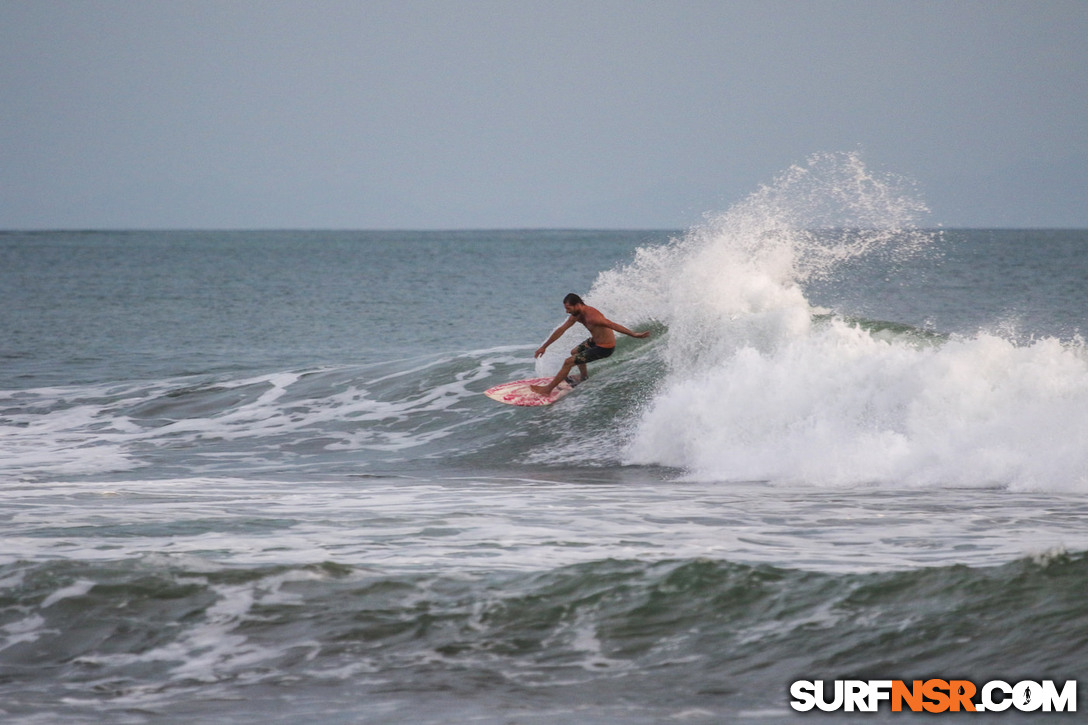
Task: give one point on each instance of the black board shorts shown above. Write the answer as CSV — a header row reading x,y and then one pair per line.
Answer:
x,y
589,351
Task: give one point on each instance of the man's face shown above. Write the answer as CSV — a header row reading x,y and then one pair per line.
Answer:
x,y
571,309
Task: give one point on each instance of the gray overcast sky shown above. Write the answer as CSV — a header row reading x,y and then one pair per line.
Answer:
x,y
588,113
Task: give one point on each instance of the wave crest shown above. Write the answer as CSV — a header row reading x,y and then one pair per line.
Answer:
x,y
760,385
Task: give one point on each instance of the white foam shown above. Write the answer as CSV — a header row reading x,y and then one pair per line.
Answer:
x,y
28,629
78,589
756,390
837,406
88,430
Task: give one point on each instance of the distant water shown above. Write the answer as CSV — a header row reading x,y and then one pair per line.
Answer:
x,y
250,476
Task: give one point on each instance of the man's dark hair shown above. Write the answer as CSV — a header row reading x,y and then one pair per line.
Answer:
x,y
572,299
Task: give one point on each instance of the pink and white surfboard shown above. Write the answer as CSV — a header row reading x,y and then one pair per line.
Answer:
x,y
518,393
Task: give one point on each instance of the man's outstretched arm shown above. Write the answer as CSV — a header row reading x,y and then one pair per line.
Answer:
x,y
555,336
620,328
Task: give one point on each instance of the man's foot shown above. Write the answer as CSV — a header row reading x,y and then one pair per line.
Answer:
x,y
540,389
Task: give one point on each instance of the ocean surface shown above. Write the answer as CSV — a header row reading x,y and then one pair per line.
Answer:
x,y
250,476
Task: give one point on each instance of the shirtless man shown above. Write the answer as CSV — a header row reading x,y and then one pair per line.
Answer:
x,y
601,344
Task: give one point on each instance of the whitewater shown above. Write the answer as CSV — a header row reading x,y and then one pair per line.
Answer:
x,y
760,384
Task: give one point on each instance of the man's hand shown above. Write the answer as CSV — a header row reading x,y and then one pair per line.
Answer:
x,y
641,334
540,351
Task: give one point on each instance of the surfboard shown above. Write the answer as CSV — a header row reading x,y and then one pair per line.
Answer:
x,y
518,393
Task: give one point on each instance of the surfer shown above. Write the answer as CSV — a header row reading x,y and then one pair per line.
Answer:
x,y
601,343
